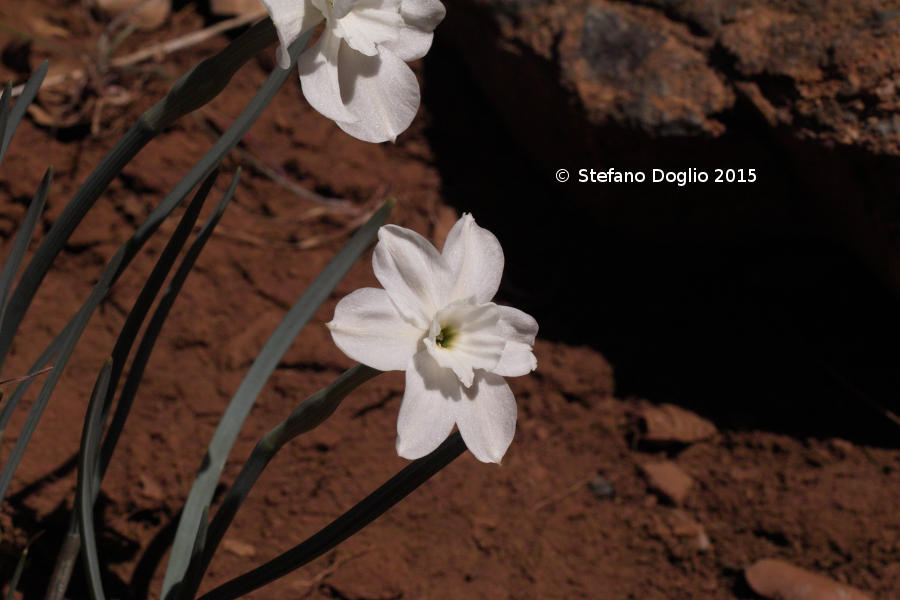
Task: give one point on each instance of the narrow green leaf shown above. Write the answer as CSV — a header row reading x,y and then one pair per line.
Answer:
x,y
144,302
66,347
230,425
62,571
36,269
23,237
211,75
42,361
84,500
17,575
372,507
4,113
154,327
310,414
18,110
65,562
62,228
192,580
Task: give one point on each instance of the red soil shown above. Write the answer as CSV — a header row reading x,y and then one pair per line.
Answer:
x,y
568,515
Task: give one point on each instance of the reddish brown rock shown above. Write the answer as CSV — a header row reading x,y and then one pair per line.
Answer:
x,y
148,15
782,581
668,479
806,93
236,7
670,423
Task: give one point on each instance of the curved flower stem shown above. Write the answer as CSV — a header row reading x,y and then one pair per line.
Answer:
x,y
309,415
197,87
372,507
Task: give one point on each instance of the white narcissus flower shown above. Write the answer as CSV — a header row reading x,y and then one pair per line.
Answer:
x,y
356,73
435,320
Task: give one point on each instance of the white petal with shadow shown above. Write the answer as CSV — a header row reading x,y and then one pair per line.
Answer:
x,y
412,272
427,411
381,91
486,417
364,28
320,79
291,18
469,338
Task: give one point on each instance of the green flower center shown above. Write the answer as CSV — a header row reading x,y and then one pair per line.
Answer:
x,y
445,337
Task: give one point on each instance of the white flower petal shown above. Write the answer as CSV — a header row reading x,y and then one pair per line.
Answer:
x,y
517,326
343,7
411,43
517,359
291,18
519,329
391,5
319,76
486,417
412,272
476,259
381,91
363,28
423,14
470,338
428,408
368,329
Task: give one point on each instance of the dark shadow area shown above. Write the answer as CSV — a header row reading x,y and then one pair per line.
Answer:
x,y
734,301
113,548
48,534
152,558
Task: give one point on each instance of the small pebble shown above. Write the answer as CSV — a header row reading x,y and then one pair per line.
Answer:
x,y
602,488
777,579
667,479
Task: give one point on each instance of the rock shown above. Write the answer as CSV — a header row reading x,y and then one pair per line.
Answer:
x,y
602,488
239,548
668,479
805,92
683,526
147,17
150,488
669,423
236,7
782,581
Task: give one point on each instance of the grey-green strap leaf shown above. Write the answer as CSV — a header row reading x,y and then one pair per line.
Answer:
x,y
154,327
5,100
16,312
84,501
372,507
210,77
23,236
230,425
68,552
18,110
310,414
